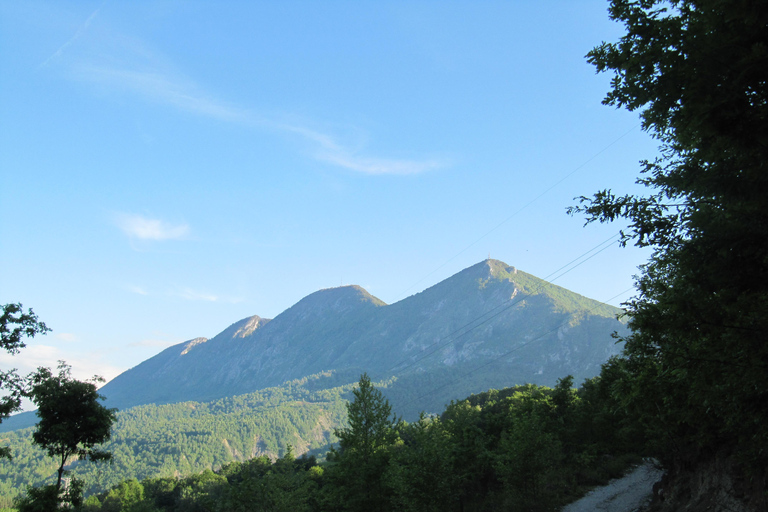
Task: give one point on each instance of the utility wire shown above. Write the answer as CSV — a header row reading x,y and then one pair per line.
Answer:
x,y
484,318
506,305
448,338
515,349
526,205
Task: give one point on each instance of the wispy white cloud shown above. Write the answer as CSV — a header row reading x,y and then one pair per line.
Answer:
x,y
144,228
197,295
127,65
185,95
327,149
161,87
83,366
58,53
136,289
380,165
66,336
190,294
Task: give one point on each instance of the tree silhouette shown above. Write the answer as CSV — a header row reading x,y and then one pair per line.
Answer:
x,y
15,325
697,357
72,420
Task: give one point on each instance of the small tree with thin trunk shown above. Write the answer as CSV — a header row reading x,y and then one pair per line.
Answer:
x,y
72,419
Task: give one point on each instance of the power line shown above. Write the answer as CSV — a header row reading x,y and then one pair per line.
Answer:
x,y
515,349
506,305
526,205
484,318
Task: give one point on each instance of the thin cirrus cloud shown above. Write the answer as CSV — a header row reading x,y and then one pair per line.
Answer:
x,y
80,31
329,150
162,88
196,295
84,366
146,75
144,228
185,95
138,290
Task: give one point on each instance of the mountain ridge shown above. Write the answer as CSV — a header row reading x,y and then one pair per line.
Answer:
x,y
465,318
488,326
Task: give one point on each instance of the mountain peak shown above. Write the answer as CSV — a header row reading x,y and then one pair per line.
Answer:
x,y
242,328
188,345
499,269
530,329
342,297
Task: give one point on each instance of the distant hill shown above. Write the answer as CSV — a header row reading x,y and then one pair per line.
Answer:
x,y
488,326
189,437
262,384
513,326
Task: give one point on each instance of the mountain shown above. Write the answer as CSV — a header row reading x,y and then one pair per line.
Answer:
x,y
263,384
490,325
186,438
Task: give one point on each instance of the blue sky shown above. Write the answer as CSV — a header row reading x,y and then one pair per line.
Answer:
x,y
171,167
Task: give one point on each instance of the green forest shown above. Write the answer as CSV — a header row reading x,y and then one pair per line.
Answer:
x,y
523,448
185,438
689,390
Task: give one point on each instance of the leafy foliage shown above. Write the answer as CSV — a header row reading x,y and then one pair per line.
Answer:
x,y
15,325
50,497
72,422
364,450
512,449
696,360
154,441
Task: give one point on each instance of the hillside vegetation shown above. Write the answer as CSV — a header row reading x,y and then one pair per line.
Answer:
x,y
531,330
181,439
522,448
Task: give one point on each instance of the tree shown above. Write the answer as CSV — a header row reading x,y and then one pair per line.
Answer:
x,y
72,420
125,496
420,472
696,358
15,325
49,497
27,325
284,486
529,463
363,454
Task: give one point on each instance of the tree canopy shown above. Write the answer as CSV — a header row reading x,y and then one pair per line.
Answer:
x,y
15,325
697,358
72,420
364,449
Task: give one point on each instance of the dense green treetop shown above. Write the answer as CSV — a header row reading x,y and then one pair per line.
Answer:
x,y
72,419
698,72
524,448
15,325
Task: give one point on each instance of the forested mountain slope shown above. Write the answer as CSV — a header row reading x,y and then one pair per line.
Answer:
x,y
185,438
530,330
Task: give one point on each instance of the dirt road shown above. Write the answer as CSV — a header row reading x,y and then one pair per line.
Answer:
x,y
626,494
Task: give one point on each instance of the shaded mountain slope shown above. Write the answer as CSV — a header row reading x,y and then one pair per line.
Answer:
x,y
498,324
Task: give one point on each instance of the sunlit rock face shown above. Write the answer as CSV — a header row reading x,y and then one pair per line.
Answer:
x,y
490,324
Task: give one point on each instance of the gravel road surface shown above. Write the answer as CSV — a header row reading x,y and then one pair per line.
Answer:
x,y
626,494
